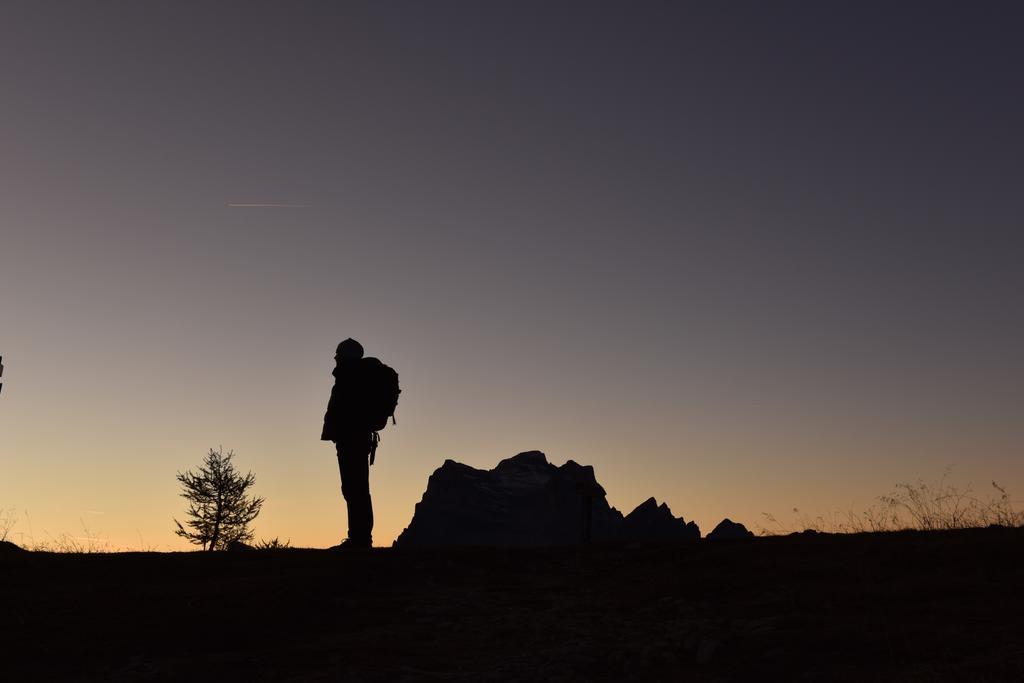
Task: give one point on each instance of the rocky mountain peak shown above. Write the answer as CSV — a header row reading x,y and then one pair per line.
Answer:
x,y
526,501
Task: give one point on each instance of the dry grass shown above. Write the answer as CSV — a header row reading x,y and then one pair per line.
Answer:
x,y
87,542
8,518
920,506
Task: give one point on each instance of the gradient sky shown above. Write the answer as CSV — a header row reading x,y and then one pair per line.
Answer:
x,y
740,256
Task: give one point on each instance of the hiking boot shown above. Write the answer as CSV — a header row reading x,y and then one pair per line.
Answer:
x,y
352,544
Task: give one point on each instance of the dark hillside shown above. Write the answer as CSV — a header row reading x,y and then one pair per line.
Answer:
x,y
900,606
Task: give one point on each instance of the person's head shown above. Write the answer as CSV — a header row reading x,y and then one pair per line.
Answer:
x,y
349,350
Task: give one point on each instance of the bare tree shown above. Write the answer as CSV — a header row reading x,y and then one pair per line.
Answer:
x,y
218,505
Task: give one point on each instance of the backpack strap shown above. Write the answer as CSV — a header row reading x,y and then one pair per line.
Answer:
x,y
374,440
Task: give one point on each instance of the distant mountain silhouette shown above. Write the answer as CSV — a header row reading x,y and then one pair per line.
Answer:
x,y
650,521
527,501
729,529
7,546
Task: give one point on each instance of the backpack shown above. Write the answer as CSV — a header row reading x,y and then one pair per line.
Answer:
x,y
381,399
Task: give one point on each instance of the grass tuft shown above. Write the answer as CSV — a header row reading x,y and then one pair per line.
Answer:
x,y
920,506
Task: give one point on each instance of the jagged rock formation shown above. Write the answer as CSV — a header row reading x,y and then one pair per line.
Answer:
x,y
650,521
527,501
729,529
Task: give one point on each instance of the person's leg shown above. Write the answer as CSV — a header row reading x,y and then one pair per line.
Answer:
x,y
353,454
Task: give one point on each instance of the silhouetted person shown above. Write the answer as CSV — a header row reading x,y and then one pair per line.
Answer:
x,y
364,396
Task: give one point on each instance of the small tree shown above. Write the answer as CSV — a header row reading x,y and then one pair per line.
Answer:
x,y
218,505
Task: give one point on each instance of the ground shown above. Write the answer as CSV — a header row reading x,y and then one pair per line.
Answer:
x,y
896,606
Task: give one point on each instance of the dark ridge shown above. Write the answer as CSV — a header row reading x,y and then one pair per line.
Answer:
x,y
821,607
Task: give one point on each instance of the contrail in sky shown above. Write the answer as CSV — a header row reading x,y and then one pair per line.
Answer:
x,y
267,205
